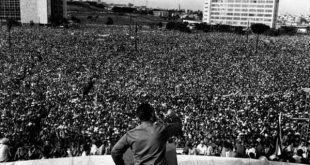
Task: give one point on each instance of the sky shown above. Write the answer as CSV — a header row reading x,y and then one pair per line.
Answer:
x,y
286,6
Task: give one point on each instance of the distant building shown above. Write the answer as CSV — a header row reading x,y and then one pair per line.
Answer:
x,y
190,16
161,13
36,11
42,11
141,8
58,8
9,9
241,12
303,29
192,23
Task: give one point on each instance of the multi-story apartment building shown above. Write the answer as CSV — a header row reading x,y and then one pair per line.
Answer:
x,y
41,11
9,9
241,12
58,8
36,11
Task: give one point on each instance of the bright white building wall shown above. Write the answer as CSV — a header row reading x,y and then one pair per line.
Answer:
x,y
29,11
241,12
42,11
65,7
38,11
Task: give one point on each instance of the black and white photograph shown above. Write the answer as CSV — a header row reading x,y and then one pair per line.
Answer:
x,y
154,82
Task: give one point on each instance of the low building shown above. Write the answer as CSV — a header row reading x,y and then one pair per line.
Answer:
x,y
161,13
303,29
190,16
192,23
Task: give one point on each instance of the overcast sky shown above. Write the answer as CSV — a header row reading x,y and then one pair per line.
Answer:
x,y
286,6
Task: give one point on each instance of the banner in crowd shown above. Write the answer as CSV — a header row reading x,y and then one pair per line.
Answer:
x,y
182,160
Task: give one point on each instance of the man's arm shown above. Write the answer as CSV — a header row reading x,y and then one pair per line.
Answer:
x,y
174,125
119,149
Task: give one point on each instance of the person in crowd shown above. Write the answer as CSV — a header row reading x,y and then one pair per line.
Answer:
x,y
108,148
4,150
240,149
259,148
192,149
251,151
227,150
34,153
21,153
85,150
47,150
101,149
298,156
147,141
186,148
210,149
74,149
189,149
201,148
69,152
93,148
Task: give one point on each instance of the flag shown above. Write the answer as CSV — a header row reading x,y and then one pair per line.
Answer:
x,y
278,151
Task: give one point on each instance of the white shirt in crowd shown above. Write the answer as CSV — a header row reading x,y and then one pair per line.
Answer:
x,y
210,150
4,153
248,151
93,149
201,149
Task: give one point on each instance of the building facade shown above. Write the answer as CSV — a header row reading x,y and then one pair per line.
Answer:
x,y
241,12
58,8
9,9
161,13
36,11
42,11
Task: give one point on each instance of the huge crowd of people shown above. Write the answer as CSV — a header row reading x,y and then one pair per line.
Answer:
x,y
73,92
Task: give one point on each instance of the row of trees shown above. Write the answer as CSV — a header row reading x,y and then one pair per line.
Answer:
x,y
220,28
87,4
124,9
184,27
285,30
181,26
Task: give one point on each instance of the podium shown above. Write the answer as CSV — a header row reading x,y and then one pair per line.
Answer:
x,y
171,155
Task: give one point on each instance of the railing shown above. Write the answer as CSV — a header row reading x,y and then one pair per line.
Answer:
x,y
182,160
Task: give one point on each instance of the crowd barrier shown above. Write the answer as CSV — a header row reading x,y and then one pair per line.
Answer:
x,y
182,160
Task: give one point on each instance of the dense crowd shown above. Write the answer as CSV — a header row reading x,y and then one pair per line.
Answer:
x,y
74,92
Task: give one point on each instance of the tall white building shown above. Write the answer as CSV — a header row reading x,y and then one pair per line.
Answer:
x,y
241,12
42,11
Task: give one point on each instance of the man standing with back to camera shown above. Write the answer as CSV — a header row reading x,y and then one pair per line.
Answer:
x,y
148,140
